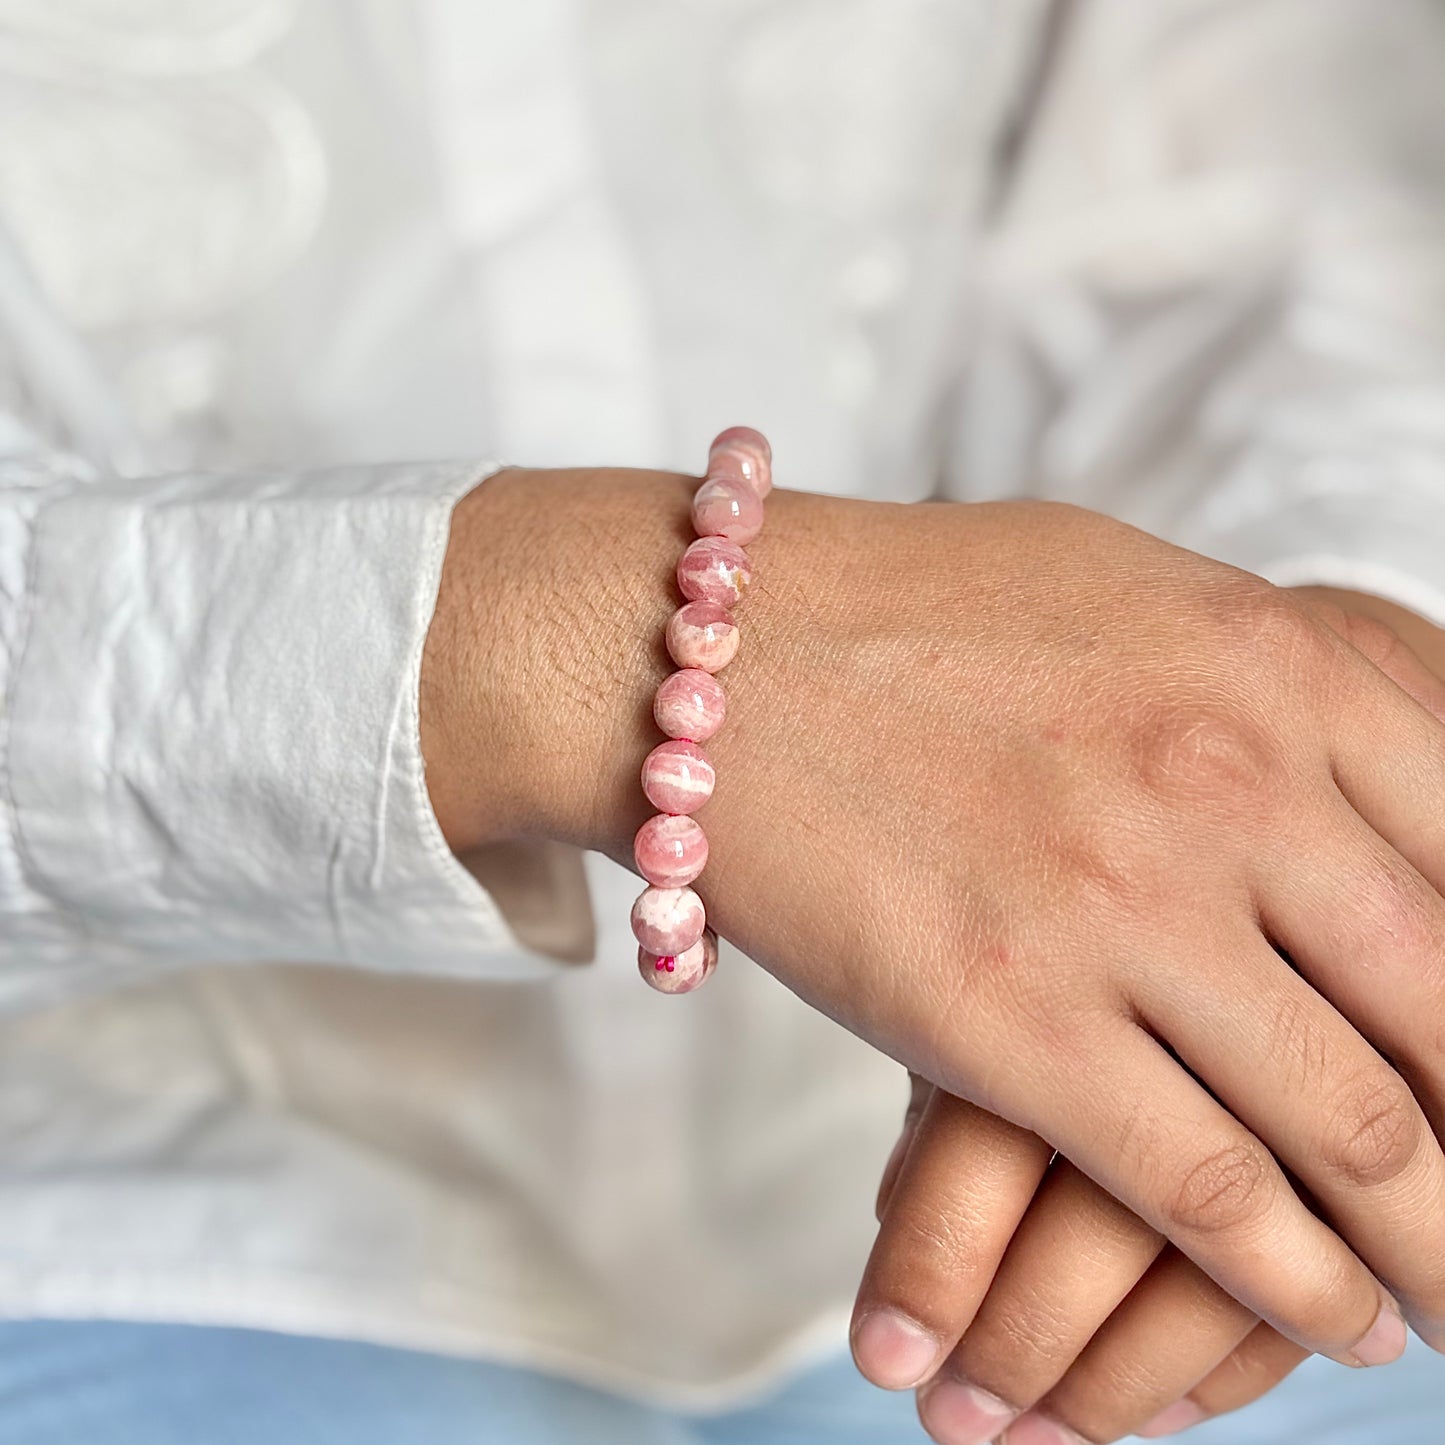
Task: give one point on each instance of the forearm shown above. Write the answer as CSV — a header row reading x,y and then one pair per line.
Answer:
x,y
543,653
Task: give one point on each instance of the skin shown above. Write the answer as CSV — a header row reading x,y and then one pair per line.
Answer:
x,y
1029,800
1050,1295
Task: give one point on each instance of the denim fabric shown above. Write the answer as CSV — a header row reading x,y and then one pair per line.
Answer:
x,y
121,1384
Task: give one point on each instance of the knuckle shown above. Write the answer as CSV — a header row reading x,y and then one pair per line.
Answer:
x,y
1201,751
929,1251
1377,640
1275,628
1375,1130
1032,1328
1225,1191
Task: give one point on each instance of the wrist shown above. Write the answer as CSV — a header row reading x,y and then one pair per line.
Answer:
x,y
547,647
544,652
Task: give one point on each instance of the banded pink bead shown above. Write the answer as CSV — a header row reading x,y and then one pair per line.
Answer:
x,y
670,850
690,704
677,777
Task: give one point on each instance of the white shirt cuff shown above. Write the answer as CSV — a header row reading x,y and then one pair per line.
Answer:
x,y
212,750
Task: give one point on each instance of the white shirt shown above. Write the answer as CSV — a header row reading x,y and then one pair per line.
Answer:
x,y
271,1056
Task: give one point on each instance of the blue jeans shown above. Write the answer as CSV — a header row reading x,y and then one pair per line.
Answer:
x,y
118,1384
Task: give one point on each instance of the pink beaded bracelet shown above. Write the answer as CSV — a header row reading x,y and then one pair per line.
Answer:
x,y
678,951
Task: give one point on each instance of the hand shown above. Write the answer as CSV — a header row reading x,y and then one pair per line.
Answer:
x,y
1080,1310
1061,1311
1028,799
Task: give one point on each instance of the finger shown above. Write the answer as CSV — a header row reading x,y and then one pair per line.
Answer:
x,y
1368,932
1254,1369
1336,1114
960,1193
919,1092
1387,752
1372,941
1076,1255
1170,1333
1155,1139
1382,633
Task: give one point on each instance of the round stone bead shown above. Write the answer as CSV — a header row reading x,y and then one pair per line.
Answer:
x,y
745,454
727,507
668,921
690,704
677,777
702,635
683,972
714,570
670,852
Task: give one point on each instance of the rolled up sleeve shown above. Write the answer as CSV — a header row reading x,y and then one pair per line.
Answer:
x,y
209,748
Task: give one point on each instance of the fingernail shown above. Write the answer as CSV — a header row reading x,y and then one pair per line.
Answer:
x,y
1032,1429
959,1414
1181,1415
1385,1342
894,1351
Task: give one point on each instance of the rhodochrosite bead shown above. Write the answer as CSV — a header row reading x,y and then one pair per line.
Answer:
x,y
714,570
668,921
690,704
677,777
743,453
670,851
684,972
727,507
702,635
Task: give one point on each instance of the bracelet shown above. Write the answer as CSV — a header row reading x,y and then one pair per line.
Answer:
x,y
677,950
